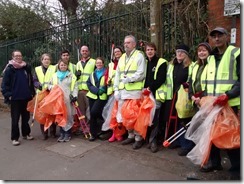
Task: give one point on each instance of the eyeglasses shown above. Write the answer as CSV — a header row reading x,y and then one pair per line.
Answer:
x,y
17,56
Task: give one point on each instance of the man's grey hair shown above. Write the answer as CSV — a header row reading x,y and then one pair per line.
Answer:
x,y
131,36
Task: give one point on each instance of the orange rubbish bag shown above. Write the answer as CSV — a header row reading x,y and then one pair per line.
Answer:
x,y
113,121
54,105
145,117
225,132
40,117
129,111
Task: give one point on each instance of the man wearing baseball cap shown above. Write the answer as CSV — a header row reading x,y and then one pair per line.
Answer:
x,y
223,81
220,30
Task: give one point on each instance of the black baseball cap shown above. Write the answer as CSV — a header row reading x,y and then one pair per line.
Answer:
x,y
218,29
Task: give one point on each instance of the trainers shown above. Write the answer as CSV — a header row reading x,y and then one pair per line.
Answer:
x,y
28,137
15,143
67,138
61,138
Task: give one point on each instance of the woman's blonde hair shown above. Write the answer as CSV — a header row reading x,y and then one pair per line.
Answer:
x,y
65,62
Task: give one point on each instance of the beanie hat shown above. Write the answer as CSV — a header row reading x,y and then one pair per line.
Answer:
x,y
183,48
206,45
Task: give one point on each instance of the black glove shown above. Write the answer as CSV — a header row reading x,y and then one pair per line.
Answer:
x,y
40,87
78,74
72,99
185,85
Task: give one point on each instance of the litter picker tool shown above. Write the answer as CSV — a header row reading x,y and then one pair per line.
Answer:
x,y
84,126
77,42
176,135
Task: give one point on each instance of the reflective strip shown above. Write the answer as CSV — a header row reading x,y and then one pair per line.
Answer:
x,y
80,82
221,81
216,94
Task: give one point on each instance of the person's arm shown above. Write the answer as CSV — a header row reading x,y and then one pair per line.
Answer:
x,y
6,84
161,77
235,90
93,89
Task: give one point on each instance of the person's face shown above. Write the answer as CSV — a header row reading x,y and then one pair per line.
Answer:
x,y
84,51
117,53
129,44
219,39
202,53
180,55
150,52
46,61
65,57
99,64
17,56
63,67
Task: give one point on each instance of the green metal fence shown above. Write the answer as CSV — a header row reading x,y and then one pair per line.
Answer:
x,y
97,32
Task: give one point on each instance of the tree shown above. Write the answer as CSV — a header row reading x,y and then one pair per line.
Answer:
x,y
16,21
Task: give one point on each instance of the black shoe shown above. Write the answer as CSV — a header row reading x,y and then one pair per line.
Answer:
x,y
154,147
183,152
92,138
105,136
137,145
45,137
211,168
128,141
173,146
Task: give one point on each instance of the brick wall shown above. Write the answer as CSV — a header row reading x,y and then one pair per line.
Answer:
x,y
217,18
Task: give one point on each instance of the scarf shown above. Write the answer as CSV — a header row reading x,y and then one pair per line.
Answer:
x,y
62,74
15,65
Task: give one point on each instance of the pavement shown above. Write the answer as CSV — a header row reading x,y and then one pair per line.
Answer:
x,y
82,160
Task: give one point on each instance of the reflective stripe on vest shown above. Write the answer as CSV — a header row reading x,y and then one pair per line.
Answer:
x,y
44,79
111,76
222,81
85,73
161,91
129,69
102,83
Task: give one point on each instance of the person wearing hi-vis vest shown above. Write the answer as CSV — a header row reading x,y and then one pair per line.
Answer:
x,y
41,77
223,81
118,51
178,73
155,78
128,84
65,56
196,91
84,68
97,96
66,80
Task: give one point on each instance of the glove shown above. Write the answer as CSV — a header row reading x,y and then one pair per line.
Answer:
x,y
126,80
198,94
185,85
221,100
146,92
78,74
116,95
40,87
72,99
100,92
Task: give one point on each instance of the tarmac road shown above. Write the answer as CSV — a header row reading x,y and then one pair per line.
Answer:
x,y
80,159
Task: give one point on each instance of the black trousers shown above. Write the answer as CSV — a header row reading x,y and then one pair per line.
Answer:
x,y
96,120
17,110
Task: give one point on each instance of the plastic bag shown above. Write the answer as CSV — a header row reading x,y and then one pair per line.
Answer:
x,y
199,131
107,113
225,132
54,105
129,112
40,117
145,115
183,105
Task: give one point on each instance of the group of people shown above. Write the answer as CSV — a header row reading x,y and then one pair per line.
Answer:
x,y
130,75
